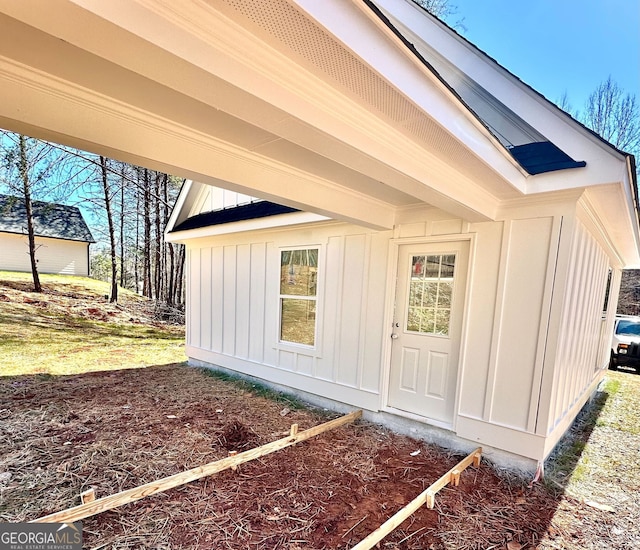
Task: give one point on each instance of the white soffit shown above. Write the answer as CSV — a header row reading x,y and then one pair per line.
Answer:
x,y
203,77
334,42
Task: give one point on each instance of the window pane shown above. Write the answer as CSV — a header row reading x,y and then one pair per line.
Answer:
x,y
298,323
299,272
417,267
430,293
413,319
448,264
444,294
415,293
607,289
442,321
428,320
433,266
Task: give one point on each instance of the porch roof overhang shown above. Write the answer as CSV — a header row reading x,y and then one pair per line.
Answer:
x,y
280,100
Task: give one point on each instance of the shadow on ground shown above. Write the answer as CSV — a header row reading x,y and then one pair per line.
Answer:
x,y
564,459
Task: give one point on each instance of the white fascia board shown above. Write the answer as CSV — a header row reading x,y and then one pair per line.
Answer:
x,y
551,121
610,208
602,169
407,73
269,222
180,207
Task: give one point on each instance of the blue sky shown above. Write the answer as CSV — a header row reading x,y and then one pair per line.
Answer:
x,y
559,45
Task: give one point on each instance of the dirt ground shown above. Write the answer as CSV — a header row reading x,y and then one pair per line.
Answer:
x,y
116,430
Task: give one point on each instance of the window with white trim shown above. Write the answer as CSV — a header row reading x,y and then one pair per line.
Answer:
x,y
298,295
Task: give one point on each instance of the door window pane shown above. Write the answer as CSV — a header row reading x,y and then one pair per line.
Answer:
x,y
447,264
430,294
445,290
433,266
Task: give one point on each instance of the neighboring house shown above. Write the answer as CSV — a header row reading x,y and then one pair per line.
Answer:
x,y
480,320
62,237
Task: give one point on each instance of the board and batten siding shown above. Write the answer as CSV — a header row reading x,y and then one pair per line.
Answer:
x,y
585,329
507,353
509,296
520,377
233,310
53,255
211,198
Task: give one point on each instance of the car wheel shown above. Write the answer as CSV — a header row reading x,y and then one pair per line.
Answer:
x,y
613,365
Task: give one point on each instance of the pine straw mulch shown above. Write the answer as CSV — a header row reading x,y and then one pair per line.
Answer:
x,y
116,430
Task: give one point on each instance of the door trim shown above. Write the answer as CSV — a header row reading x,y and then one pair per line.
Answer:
x,y
392,274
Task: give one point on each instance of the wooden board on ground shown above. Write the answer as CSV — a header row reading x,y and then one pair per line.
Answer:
x,y
427,496
131,495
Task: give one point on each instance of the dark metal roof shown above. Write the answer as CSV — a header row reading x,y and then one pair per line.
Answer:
x,y
57,221
535,157
543,156
261,209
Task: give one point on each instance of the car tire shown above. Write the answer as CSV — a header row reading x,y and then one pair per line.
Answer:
x,y
613,365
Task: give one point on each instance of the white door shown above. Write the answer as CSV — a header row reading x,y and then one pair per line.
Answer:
x,y
427,328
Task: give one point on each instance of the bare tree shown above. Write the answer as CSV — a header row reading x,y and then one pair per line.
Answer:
x,y
442,9
28,167
104,173
565,104
129,208
23,168
146,256
614,115
123,271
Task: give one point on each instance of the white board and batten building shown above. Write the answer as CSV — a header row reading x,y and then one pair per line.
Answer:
x,y
62,237
435,243
490,330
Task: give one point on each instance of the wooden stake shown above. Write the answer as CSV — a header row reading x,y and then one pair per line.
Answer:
x,y
294,429
131,495
87,496
427,496
455,478
235,466
476,457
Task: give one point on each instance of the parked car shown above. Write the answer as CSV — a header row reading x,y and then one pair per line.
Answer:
x,y
625,346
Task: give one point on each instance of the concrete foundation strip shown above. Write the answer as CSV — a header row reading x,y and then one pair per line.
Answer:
x,y
427,496
92,507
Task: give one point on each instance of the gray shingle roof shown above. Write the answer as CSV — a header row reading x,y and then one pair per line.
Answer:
x,y
57,221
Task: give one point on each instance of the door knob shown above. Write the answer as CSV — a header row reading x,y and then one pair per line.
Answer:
x,y
394,336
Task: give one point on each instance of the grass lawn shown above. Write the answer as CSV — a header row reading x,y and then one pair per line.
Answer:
x,y
598,472
71,328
